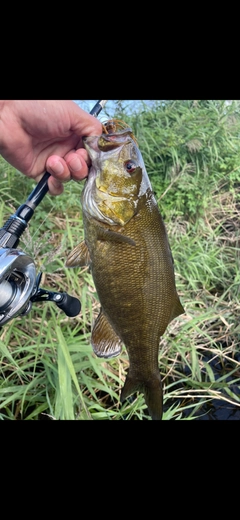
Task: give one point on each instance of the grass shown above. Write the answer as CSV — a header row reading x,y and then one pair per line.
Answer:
x,y
48,370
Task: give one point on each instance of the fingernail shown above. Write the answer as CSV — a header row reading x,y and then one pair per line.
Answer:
x,y
75,164
58,168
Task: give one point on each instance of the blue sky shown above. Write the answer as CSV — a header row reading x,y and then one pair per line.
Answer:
x,y
110,105
88,104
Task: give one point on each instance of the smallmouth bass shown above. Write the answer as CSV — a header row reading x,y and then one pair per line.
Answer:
x,y
127,248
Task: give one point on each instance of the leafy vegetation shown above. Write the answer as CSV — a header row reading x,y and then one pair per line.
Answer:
x,y
48,370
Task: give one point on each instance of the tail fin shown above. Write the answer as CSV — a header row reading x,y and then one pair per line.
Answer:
x,y
152,390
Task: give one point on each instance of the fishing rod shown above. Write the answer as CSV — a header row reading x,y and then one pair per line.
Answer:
x,y
19,284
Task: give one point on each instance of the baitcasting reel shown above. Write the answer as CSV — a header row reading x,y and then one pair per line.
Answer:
x,y
19,284
19,287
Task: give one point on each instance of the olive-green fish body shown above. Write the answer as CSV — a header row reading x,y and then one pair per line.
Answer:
x,y
131,264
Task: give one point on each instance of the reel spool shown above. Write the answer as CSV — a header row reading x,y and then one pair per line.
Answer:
x,y
17,281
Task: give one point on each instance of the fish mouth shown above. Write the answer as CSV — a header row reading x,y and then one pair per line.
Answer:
x,y
107,142
111,141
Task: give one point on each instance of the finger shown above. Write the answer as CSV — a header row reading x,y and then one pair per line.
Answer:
x,y
58,168
55,187
72,166
81,153
86,124
77,162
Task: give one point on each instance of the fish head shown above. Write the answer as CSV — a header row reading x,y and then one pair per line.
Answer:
x,y
117,177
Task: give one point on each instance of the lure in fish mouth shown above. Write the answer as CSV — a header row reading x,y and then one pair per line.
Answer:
x,y
127,248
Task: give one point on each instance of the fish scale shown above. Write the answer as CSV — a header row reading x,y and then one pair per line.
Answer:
x,y
131,262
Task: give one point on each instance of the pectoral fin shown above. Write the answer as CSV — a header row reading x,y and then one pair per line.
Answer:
x,y
105,342
113,236
79,256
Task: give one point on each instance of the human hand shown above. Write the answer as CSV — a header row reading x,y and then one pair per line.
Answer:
x,y
39,136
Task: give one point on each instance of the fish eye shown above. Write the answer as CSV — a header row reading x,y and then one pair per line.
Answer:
x,y
130,166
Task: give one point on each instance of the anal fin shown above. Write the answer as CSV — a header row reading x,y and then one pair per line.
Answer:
x,y
105,342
